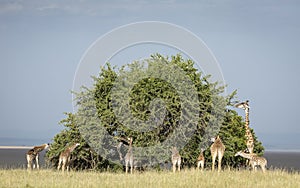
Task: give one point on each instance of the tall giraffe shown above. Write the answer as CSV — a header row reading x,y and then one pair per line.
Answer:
x,y
176,159
65,156
254,160
249,137
217,149
32,156
129,155
201,160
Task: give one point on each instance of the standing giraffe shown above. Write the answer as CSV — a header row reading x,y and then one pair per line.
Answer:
x,y
201,160
176,159
217,148
65,156
129,155
254,160
32,156
249,137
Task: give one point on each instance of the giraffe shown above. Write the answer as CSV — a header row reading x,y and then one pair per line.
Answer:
x,y
201,160
254,160
217,149
65,156
32,156
249,137
129,155
176,159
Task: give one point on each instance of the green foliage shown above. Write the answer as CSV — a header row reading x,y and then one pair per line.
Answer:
x,y
96,123
83,157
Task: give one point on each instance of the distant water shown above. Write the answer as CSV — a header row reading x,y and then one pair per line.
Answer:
x,y
289,160
16,158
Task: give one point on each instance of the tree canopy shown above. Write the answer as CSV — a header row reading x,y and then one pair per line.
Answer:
x,y
159,102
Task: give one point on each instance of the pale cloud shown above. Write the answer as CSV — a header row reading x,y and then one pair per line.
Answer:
x,y
48,7
90,8
10,7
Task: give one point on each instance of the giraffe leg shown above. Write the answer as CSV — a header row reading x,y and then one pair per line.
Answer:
x,y
68,163
253,166
59,163
29,165
126,166
179,164
213,161
200,164
64,162
63,167
174,166
263,168
220,156
247,163
37,161
28,162
33,162
131,165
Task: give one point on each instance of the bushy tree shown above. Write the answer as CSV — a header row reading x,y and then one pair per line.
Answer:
x,y
97,121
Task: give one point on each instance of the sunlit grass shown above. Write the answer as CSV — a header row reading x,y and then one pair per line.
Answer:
x,y
185,178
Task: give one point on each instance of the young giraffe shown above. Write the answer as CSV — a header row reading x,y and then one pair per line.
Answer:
x,y
65,156
201,160
217,148
176,159
129,155
32,156
254,160
248,134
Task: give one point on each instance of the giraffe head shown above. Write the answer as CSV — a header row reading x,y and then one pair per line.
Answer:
x,y
213,139
243,105
246,150
174,150
47,145
238,153
130,140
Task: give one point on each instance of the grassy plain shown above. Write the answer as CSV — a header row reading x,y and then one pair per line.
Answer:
x,y
185,178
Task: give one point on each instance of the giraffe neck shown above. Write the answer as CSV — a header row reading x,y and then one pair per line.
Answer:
x,y
248,134
40,148
130,148
245,155
71,149
175,151
247,118
201,156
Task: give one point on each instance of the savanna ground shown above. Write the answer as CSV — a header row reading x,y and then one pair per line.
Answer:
x,y
185,178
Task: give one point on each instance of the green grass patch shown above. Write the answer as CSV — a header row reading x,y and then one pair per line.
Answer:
x,y
185,178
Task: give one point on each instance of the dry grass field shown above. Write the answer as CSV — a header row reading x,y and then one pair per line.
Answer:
x,y
185,178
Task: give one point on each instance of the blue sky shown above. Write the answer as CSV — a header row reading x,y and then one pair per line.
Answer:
x,y
255,42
